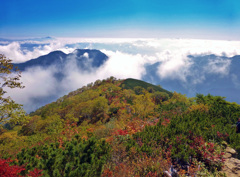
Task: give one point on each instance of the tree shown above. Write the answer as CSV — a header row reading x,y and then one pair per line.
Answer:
x,y
159,97
143,105
10,112
138,90
150,89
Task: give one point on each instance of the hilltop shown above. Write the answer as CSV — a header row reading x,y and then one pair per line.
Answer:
x,y
123,128
83,58
132,83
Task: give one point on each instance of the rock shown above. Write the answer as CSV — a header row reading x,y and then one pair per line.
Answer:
x,y
231,150
227,155
231,165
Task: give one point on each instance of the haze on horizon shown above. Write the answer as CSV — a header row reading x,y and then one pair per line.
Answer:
x,y
163,35
198,19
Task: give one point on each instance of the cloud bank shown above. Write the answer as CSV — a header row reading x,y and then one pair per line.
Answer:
x,y
127,58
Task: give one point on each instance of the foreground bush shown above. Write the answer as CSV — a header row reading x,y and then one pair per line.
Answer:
x,y
7,170
72,158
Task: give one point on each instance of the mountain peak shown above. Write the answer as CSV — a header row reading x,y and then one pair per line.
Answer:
x,y
59,57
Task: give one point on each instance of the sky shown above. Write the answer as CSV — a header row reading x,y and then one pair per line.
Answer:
x,y
199,19
134,34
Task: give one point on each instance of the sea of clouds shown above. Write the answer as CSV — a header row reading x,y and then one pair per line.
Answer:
x,y
128,58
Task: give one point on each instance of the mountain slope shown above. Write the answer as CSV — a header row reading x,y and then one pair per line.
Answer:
x,y
84,58
103,129
206,74
95,90
131,83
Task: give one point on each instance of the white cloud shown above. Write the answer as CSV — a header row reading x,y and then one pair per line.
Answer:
x,y
218,66
119,65
122,65
14,52
195,46
38,83
86,55
174,65
127,58
235,80
125,45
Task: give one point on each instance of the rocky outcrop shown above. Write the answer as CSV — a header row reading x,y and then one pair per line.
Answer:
x,y
232,164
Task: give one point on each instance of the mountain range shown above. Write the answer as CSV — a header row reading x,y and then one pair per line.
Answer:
x,y
50,76
206,74
83,59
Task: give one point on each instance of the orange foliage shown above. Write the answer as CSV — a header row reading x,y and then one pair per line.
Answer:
x,y
137,165
199,107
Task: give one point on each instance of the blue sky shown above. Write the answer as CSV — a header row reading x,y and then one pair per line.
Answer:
x,y
211,19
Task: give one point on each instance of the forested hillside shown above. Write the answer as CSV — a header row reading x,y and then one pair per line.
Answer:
x,y
122,128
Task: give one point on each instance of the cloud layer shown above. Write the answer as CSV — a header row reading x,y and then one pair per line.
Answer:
x,y
127,58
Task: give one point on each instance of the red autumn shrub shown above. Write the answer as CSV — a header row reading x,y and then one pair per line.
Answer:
x,y
7,170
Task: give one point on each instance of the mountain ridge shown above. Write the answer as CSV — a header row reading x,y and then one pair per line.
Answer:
x,y
103,124
60,58
206,74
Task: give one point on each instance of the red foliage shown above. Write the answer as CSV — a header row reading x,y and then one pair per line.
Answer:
x,y
152,174
206,150
14,171
120,132
35,173
222,135
165,122
107,173
9,171
69,131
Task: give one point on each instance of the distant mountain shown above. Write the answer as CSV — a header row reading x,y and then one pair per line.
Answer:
x,y
40,39
55,57
207,74
56,74
82,59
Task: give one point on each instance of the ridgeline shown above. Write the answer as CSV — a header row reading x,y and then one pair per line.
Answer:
x,y
122,128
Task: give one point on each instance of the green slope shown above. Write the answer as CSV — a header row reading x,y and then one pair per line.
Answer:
x,y
93,129
131,83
